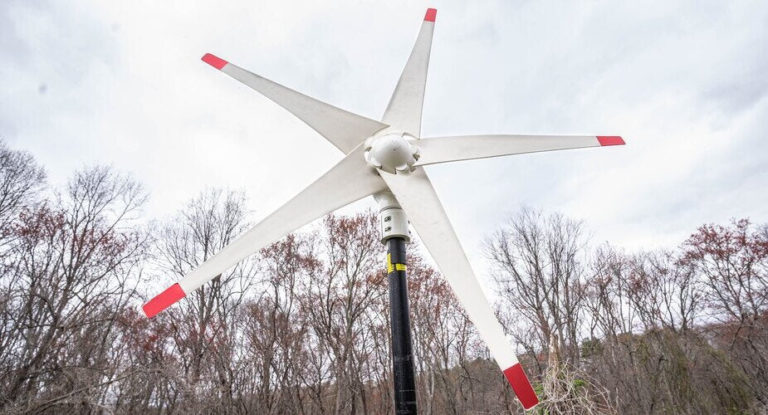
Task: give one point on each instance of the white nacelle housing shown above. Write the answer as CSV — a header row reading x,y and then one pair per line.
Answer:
x,y
392,218
392,152
394,223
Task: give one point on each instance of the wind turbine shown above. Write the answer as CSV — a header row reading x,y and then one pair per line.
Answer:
x,y
386,159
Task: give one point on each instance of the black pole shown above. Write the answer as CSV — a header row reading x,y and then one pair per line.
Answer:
x,y
402,351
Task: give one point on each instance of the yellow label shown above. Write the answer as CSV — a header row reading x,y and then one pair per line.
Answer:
x,y
392,267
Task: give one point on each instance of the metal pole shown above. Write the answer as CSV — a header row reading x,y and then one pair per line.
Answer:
x,y
402,352
394,234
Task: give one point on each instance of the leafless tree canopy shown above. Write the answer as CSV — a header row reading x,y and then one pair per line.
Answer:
x,y
21,179
680,331
302,327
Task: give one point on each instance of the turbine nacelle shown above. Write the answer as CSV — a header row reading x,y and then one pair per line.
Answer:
x,y
393,152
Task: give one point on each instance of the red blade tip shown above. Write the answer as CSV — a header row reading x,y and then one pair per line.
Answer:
x,y
431,15
610,140
163,300
522,387
214,61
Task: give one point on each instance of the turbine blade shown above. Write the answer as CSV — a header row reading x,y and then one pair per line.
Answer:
x,y
446,149
404,109
342,128
417,197
351,179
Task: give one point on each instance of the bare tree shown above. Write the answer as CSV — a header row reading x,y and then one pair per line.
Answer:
x,y
665,291
204,325
71,274
537,265
337,300
21,180
643,347
276,333
733,261
446,343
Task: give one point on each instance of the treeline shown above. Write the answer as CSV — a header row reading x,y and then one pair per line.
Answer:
x,y
302,327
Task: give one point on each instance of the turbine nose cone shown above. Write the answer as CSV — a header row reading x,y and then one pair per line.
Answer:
x,y
392,152
387,145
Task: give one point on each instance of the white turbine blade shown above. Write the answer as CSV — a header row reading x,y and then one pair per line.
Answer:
x,y
447,149
417,197
351,179
342,128
404,109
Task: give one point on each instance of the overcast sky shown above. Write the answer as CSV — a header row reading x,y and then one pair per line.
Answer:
x,y
121,83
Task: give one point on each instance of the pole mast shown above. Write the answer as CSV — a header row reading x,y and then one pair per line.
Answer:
x,y
394,234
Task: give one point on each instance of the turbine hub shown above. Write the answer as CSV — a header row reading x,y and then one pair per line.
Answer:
x,y
393,152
